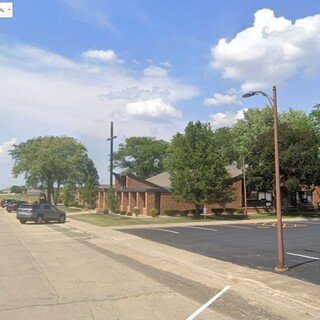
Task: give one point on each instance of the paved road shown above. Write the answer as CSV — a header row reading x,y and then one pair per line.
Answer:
x,y
79,271
251,245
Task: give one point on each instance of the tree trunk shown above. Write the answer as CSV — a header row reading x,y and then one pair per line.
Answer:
x,y
198,210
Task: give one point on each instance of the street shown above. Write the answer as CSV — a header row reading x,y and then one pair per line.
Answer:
x,y
79,271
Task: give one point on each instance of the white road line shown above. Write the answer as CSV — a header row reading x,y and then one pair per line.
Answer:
x,y
208,229
301,255
165,230
237,227
196,313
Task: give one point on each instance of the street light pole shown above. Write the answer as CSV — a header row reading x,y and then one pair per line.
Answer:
x,y
273,102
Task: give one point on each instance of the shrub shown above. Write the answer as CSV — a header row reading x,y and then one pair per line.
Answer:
x,y
171,212
153,212
123,213
183,212
129,214
230,210
217,211
136,211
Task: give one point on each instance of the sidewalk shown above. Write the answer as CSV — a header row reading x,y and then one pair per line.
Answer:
x,y
288,297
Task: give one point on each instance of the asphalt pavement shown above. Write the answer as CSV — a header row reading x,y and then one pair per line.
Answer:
x,y
80,271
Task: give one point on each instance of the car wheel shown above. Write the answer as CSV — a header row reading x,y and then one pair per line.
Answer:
x,y
22,221
62,218
39,219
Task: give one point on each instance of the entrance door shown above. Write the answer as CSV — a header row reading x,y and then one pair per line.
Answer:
x,y
157,201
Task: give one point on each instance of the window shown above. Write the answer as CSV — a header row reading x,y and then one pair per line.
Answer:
x,y
258,198
123,182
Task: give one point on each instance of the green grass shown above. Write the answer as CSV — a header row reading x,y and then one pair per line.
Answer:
x,y
19,197
114,220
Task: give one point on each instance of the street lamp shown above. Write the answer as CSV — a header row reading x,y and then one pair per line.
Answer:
x,y
273,102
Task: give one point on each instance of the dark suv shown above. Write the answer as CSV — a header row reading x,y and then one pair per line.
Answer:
x,y
39,213
14,205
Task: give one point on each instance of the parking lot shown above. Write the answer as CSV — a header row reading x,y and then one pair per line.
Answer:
x,y
252,245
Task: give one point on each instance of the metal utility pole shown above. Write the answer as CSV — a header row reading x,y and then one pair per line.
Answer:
x,y
111,154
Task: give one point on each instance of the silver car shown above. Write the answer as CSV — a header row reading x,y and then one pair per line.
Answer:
x,y
39,213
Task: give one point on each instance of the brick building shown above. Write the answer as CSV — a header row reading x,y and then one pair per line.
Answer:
x,y
145,194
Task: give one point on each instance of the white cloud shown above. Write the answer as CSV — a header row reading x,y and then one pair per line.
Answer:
x,y
102,55
166,64
152,109
270,52
4,149
155,71
221,99
91,12
226,119
46,93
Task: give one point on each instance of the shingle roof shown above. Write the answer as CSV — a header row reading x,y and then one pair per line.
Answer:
x,y
163,179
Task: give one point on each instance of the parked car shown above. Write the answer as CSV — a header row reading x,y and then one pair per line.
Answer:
x,y
4,202
39,213
13,205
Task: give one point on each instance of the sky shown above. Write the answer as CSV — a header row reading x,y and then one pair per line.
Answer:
x,y
71,67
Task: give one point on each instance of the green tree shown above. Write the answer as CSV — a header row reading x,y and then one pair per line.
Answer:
x,y
315,117
295,119
48,162
89,193
255,121
223,141
68,193
16,189
298,160
197,170
142,156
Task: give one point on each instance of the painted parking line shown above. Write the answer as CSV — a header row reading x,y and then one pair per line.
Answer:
x,y
238,227
201,228
207,304
267,225
166,230
302,256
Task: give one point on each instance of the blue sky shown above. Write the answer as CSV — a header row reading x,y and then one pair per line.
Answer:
x,y
70,67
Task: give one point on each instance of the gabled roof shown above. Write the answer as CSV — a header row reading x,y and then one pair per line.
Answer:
x,y
233,171
161,179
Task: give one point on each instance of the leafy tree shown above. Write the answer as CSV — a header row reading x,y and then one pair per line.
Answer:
x,y
16,189
197,171
298,159
315,117
142,156
112,201
295,119
89,193
48,162
223,141
68,193
246,130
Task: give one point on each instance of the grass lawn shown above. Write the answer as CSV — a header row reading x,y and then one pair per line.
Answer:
x,y
19,197
114,220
